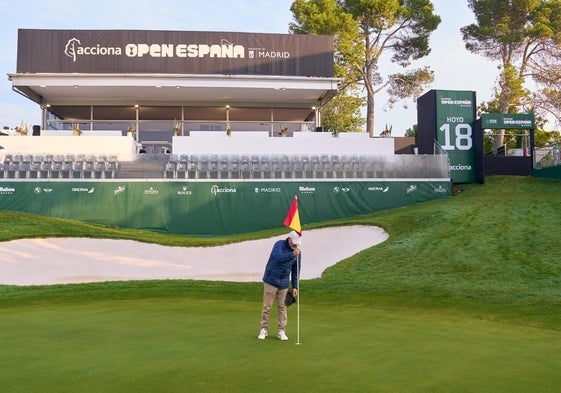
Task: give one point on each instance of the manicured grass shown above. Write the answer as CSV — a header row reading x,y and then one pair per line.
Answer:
x,y
180,345
464,296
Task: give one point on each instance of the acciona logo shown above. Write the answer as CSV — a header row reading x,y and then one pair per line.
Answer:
x,y
74,48
215,190
460,167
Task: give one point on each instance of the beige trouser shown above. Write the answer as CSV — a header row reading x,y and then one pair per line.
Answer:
x,y
270,293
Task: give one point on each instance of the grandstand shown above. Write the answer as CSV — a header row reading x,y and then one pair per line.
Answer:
x,y
243,156
206,145
225,167
215,184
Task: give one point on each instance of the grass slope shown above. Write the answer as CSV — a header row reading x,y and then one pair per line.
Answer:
x,y
491,248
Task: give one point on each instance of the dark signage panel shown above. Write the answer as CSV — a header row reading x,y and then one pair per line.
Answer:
x,y
447,117
518,121
173,52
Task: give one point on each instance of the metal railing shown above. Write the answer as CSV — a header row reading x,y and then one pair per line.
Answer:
x,y
437,148
228,166
547,156
213,166
171,127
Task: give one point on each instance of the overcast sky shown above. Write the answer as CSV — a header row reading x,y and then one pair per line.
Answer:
x,y
454,67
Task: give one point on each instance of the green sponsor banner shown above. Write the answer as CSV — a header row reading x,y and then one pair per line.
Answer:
x,y
455,117
520,121
212,208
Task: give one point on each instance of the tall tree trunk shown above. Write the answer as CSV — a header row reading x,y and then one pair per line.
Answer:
x,y
370,113
500,138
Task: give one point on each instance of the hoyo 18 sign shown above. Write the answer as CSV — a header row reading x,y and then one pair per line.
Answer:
x,y
448,117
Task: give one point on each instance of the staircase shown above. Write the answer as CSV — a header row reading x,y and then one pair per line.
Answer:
x,y
145,166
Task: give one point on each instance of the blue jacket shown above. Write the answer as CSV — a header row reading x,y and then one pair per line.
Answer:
x,y
281,266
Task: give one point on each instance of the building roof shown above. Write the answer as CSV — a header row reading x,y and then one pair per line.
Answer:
x,y
69,95
69,71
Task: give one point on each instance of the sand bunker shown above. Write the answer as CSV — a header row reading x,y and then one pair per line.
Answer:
x,y
78,260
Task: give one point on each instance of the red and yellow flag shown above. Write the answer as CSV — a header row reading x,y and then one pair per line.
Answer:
x,y
292,219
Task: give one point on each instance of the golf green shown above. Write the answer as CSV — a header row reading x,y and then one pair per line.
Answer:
x,y
189,345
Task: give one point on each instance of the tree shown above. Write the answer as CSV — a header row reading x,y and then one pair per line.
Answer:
x,y
518,34
412,132
364,31
545,138
342,114
546,69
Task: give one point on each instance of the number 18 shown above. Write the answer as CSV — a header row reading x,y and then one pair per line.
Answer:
x,y
463,139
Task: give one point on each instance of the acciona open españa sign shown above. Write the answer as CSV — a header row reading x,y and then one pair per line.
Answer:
x,y
174,52
518,121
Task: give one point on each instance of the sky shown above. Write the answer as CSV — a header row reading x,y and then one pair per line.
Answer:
x,y
455,68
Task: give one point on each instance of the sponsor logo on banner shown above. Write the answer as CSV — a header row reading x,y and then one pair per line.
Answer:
x,y
306,190
83,189
221,50
518,122
411,188
379,188
38,190
184,191
263,53
215,190
336,189
267,189
464,103
460,167
440,190
7,190
119,190
151,191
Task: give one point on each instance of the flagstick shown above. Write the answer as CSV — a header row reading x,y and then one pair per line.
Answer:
x,y
292,221
298,303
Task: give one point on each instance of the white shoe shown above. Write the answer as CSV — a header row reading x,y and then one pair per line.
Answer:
x,y
282,335
262,334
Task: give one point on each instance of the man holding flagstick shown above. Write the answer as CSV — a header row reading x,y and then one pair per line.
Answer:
x,y
283,266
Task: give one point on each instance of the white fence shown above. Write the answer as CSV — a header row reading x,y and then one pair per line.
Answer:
x,y
320,143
